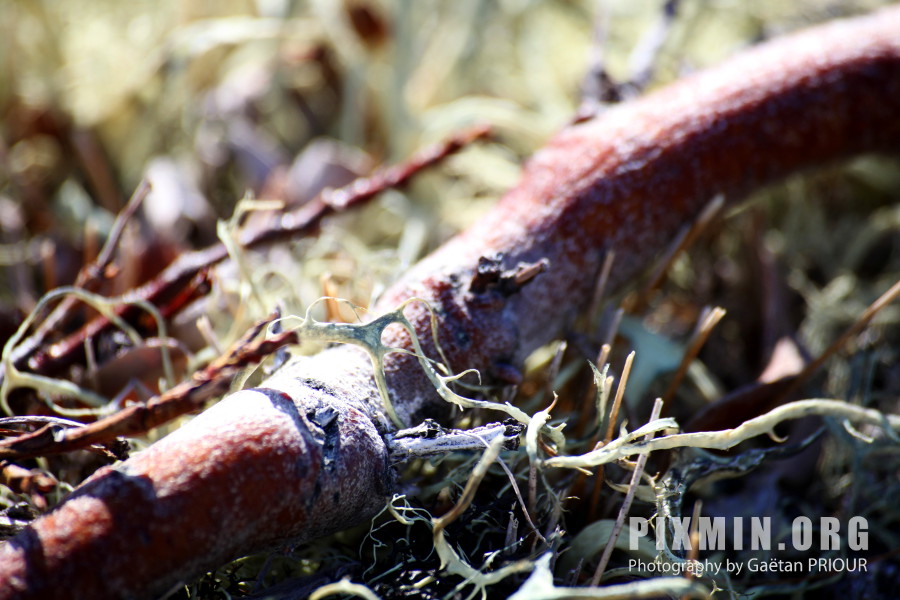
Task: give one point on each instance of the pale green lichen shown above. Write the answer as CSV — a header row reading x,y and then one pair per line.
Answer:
x,y
451,561
540,586
628,444
48,387
228,233
344,587
368,336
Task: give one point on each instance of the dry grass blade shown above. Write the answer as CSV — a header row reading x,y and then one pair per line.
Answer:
x,y
708,321
610,428
861,322
626,503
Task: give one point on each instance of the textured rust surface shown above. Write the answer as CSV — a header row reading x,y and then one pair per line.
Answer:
x,y
305,457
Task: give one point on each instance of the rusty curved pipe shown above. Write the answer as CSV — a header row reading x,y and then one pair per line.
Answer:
x,y
304,455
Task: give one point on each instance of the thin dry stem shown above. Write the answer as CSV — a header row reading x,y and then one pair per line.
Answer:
x,y
708,321
626,504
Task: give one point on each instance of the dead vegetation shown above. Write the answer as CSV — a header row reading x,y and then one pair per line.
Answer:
x,y
277,101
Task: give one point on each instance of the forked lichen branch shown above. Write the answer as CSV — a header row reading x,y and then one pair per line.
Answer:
x,y
629,444
368,336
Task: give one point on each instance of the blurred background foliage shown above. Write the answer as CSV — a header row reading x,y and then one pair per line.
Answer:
x,y
222,97
277,99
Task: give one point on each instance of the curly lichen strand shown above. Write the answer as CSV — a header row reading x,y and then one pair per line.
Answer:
x,y
368,336
13,377
629,445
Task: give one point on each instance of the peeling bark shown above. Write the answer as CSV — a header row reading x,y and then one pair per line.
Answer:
x,y
304,455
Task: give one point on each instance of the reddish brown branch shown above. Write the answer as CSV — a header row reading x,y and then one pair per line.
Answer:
x,y
305,454
185,279
189,396
90,275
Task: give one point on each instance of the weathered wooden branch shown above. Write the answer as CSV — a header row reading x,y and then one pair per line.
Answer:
x,y
305,454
